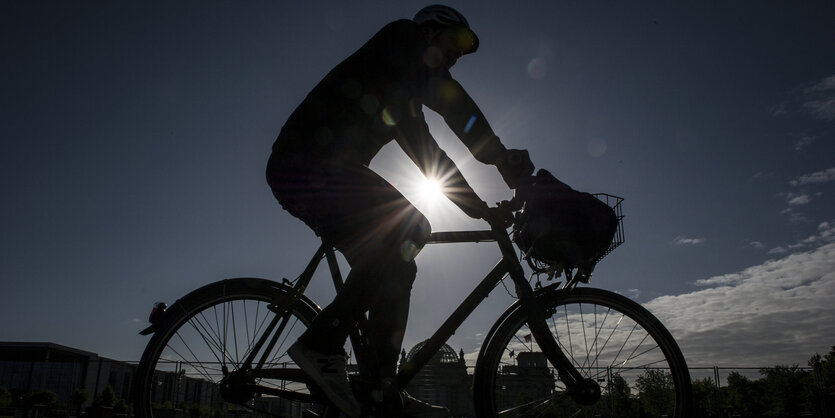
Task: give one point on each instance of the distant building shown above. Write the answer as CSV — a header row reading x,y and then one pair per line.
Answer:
x,y
530,378
443,381
34,367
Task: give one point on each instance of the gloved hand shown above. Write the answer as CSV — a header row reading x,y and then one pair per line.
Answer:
x,y
515,166
475,209
500,216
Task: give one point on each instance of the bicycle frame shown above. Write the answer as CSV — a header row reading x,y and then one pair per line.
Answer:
x,y
508,265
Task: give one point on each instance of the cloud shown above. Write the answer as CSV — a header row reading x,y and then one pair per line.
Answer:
x,y
826,233
816,99
799,200
803,142
756,244
821,109
823,176
778,312
820,99
762,176
780,110
826,84
682,240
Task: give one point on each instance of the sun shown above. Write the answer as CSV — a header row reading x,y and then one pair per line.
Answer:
x,y
430,190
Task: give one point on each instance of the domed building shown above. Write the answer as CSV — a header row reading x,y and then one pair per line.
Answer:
x,y
443,381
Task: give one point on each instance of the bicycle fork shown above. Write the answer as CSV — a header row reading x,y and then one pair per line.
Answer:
x,y
582,390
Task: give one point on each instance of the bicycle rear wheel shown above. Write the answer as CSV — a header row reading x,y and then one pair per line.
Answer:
x,y
609,339
206,336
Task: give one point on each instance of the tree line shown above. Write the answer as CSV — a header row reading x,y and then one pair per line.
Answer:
x,y
781,391
48,401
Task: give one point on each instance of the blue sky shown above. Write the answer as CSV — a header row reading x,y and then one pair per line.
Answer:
x,y
135,137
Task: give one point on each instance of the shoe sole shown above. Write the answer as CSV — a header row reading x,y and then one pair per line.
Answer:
x,y
312,371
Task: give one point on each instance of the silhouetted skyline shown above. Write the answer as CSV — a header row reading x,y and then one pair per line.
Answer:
x,y
135,137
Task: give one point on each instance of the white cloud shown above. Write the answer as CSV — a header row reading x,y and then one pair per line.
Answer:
x,y
778,312
821,109
826,84
756,244
803,142
794,201
820,99
799,200
682,240
816,99
780,110
816,177
778,250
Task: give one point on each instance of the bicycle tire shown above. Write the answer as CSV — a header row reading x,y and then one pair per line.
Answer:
x,y
209,329
605,335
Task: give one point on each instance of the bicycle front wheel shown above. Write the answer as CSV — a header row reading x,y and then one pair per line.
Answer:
x,y
207,337
610,339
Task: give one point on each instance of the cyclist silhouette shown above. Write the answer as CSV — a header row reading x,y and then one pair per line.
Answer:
x,y
319,173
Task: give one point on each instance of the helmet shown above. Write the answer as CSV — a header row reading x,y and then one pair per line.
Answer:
x,y
446,16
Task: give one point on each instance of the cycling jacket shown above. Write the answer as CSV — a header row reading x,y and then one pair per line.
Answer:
x,y
376,95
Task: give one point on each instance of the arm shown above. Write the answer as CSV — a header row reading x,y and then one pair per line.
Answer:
x,y
446,97
416,141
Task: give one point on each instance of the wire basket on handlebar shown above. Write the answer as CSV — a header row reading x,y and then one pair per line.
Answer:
x,y
613,202
560,229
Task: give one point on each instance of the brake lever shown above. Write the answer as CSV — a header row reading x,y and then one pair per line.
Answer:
x,y
501,215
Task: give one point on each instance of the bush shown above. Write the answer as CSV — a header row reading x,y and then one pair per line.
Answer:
x,y
107,398
5,397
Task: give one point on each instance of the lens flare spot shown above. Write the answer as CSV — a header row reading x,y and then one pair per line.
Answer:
x,y
597,147
449,91
389,117
408,250
537,69
470,124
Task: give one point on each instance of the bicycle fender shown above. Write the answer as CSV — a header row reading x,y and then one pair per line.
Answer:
x,y
254,283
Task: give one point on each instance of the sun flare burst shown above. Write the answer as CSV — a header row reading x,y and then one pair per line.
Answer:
x,y
430,191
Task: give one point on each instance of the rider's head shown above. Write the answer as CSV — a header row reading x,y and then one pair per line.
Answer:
x,y
447,30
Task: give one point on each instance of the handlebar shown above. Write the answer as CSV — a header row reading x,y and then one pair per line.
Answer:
x,y
502,215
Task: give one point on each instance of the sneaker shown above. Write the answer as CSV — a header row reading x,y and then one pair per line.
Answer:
x,y
330,373
414,408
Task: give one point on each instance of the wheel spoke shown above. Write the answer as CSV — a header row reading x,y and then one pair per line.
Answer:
x,y
214,336
205,373
210,343
234,331
605,336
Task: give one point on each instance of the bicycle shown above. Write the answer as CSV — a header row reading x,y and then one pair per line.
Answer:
x,y
228,341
